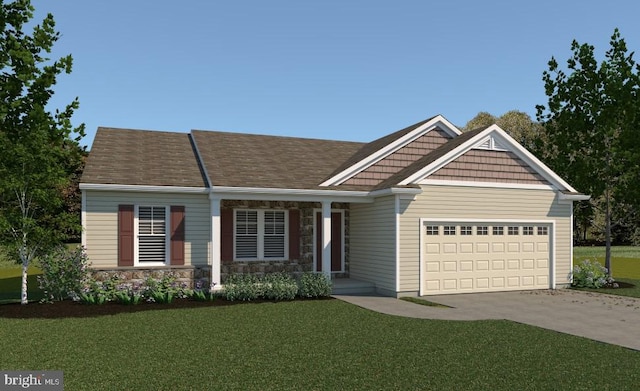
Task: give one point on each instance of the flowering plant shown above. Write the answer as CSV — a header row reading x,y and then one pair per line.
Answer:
x,y
591,275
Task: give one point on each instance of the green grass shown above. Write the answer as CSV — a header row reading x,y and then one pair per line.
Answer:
x,y
421,301
11,281
625,265
308,345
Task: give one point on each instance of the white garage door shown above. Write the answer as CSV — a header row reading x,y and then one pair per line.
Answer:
x,y
485,257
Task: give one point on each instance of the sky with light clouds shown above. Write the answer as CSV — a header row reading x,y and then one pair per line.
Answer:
x,y
345,70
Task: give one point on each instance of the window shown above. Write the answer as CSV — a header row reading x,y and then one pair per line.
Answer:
x,y
260,234
543,231
466,230
527,230
152,234
482,230
514,231
433,230
449,229
498,230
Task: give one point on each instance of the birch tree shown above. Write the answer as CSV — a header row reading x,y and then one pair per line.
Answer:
x,y
36,144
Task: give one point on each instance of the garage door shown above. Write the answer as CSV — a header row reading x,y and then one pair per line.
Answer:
x,y
485,257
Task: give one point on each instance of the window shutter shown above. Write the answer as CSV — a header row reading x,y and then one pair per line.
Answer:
x,y
226,235
177,235
294,234
125,235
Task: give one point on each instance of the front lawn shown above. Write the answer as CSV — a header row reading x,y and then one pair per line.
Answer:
x,y
625,264
308,345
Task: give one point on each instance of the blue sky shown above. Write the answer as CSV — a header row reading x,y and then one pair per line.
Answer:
x,y
345,70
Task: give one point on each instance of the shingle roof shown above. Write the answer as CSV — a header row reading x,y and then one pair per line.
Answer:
x,y
138,157
248,160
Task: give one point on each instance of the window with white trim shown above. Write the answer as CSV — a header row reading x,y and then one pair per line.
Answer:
x,y
513,230
152,234
466,230
260,234
433,229
543,231
498,231
528,230
482,230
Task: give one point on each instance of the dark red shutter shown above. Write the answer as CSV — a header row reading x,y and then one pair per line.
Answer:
x,y
125,235
294,234
336,241
177,235
226,235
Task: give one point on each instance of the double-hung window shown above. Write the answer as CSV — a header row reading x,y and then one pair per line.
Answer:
x,y
152,234
260,234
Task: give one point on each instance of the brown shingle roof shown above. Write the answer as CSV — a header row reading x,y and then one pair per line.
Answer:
x,y
138,157
374,146
247,160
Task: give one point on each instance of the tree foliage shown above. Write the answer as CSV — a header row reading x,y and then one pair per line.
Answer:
x,y
592,118
38,148
517,124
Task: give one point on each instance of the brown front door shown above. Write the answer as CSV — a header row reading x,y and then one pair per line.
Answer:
x,y
336,241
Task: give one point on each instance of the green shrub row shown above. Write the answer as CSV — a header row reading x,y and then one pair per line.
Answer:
x,y
275,286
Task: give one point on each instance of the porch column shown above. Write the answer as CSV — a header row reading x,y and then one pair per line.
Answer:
x,y
215,241
326,238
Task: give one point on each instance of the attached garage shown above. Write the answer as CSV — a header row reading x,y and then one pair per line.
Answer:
x,y
486,256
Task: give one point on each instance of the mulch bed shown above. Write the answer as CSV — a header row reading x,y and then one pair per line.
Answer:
x,y
70,309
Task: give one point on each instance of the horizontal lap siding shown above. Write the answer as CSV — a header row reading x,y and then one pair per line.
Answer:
x,y
372,243
457,202
102,223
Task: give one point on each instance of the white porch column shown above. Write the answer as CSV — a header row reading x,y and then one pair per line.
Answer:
x,y
215,241
326,238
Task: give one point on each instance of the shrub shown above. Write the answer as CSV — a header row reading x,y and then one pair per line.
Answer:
x,y
163,290
129,293
279,286
201,292
314,285
590,275
64,272
244,287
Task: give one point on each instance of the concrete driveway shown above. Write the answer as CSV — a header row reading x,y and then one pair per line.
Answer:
x,y
605,318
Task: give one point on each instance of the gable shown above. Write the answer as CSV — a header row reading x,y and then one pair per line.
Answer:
x,y
376,151
494,166
400,159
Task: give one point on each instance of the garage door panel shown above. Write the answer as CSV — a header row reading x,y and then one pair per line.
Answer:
x,y
486,260
450,248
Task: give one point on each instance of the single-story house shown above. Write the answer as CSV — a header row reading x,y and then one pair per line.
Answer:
x,y
425,210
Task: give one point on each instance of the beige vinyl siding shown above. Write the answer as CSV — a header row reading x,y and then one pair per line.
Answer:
x,y
102,223
373,242
461,202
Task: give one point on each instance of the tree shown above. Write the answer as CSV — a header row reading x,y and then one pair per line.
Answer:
x,y
591,120
517,124
36,146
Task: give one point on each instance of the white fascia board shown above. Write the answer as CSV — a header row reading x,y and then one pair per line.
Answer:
x,y
480,138
411,192
437,121
487,220
573,197
499,185
278,194
143,188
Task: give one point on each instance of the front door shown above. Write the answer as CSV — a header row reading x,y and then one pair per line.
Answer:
x,y
336,242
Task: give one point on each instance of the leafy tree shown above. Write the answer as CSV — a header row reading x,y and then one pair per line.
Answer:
x,y
591,118
36,146
517,124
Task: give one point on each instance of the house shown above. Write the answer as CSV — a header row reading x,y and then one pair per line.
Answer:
x,y
425,210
